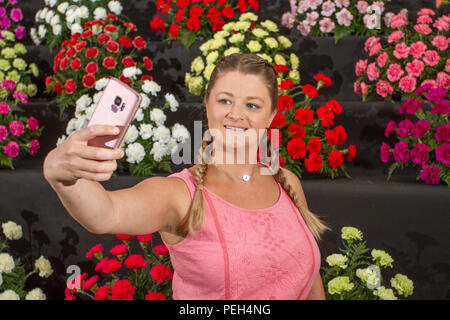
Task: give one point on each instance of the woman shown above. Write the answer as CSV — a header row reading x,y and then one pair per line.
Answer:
x,y
232,232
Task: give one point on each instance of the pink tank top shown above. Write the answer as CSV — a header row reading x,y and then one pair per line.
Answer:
x,y
243,254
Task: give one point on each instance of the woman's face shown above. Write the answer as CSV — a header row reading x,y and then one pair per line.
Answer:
x,y
239,100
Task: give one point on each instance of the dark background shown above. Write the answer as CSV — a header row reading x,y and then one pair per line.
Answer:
x,y
408,219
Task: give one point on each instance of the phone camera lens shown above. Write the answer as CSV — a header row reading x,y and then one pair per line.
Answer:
x,y
117,100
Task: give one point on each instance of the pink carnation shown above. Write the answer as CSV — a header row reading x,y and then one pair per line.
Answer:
x,y
442,24
34,146
401,51
311,18
426,11
326,25
357,87
375,49
407,83
395,36
394,72
424,19
384,88
362,6
370,42
33,123
388,18
287,20
447,66
429,81
417,49
423,28
11,149
304,28
5,109
398,21
443,80
3,133
342,3
363,88
440,42
328,8
344,18
382,59
431,58
16,128
370,21
414,68
372,72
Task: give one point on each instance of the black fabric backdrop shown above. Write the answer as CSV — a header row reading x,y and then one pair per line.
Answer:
x,y
408,219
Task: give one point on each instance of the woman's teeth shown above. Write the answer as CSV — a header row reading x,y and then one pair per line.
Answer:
x,y
235,129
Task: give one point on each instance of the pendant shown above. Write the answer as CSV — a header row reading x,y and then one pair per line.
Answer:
x,y
246,177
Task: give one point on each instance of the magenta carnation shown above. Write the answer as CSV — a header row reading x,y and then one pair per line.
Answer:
x,y
420,128
442,133
34,146
419,153
16,128
430,174
401,152
443,154
11,149
385,152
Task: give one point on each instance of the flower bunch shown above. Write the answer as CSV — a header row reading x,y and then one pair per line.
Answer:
x,y
148,142
104,48
245,36
10,18
12,272
353,274
191,19
144,276
18,134
335,17
58,20
306,137
408,57
425,142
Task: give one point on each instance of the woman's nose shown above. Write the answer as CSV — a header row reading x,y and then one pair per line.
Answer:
x,y
235,112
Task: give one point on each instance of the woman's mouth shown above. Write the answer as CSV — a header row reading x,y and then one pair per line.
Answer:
x,y
235,129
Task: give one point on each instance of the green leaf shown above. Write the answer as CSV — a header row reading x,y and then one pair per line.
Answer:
x,y
391,169
188,37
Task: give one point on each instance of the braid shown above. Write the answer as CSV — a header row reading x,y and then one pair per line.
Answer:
x,y
195,219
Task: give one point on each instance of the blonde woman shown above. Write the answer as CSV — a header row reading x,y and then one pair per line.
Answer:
x,y
233,232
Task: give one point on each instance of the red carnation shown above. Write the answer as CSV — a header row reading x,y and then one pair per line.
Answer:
x,y
86,34
228,12
161,250
58,88
146,77
135,261
119,249
63,64
351,152
70,86
111,16
109,63
242,5
222,2
304,116
100,264
112,46
298,130
182,3
139,42
102,293
130,25
128,62
342,135
254,4
125,80
125,42
110,28
193,24
155,296
280,68
148,63
335,159
157,24
284,103
335,106
91,52
71,52
218,25
326,115
214,14
95,249
314,145
326,80
146,238
286,84
89,81
278,121
124,237
195,11
296,148
48,81
112,265
174,30
75,64
89,283
122,290
160,273
332,137
313,162
80,45
310,91
166,8
103,37
91,67
179,16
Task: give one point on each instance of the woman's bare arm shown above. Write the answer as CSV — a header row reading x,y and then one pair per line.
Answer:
x,y
317,291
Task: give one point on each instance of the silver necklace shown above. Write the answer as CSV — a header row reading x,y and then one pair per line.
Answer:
x,y
245,177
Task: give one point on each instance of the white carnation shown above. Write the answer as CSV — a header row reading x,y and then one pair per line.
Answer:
x,y
146,131
180,133
145,101
55,20
9,295
44,267
11,230
49,15
89,111
56,29
151,86
162,134
172,145
131,72
83,12
76,28
170,98
6,263
52,3
36,294
34,36
135,153
115,7
158,116
101,84
43,13
139,115
99,13
131,135
97,96
42,30
159,150
61,140
63,7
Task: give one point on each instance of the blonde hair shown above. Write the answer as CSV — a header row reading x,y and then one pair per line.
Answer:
x,y
195,219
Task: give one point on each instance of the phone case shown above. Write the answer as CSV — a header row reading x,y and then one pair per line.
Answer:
x,y
120,115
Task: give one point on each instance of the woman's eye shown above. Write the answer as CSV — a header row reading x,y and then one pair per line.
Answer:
x,y
224,101
253,106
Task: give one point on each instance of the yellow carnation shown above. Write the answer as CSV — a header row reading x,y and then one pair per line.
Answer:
x,y
279,59
197,65
248,16
270,25
295,61
231,50
294,75
285,42
259,33
271,42
265,56
237,37
402,284
208,70
339,285
254,46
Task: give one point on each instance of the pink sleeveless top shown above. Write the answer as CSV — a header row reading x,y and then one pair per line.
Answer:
x,y
243,254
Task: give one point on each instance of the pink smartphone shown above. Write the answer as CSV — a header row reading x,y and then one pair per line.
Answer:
x,y
117,107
